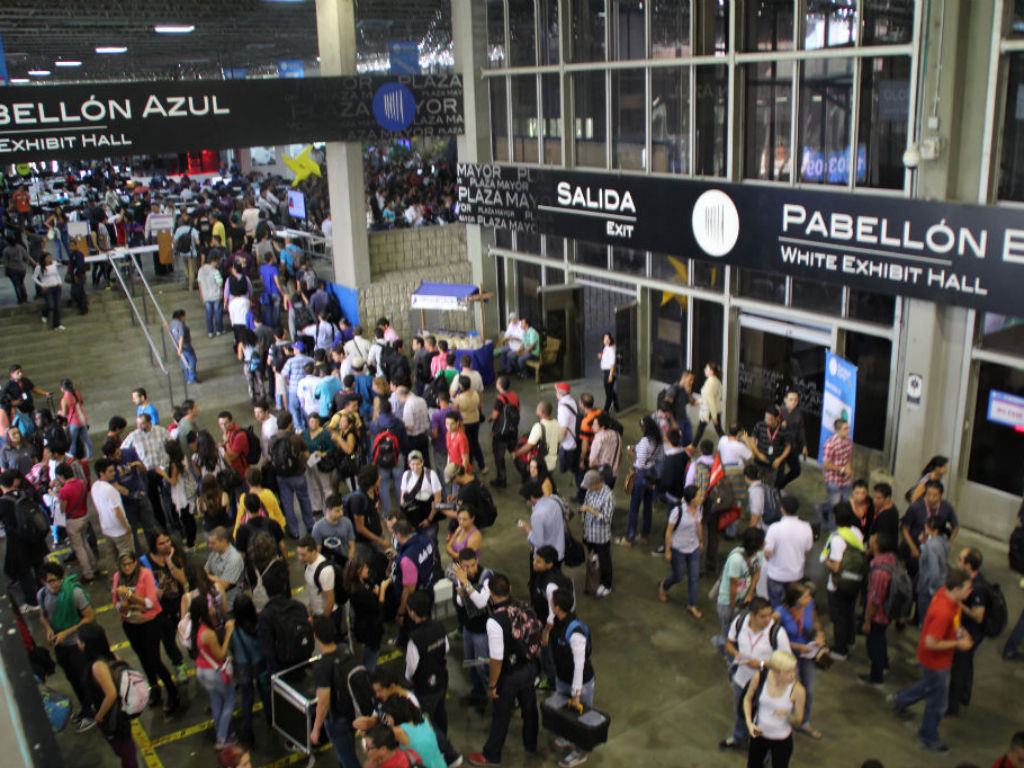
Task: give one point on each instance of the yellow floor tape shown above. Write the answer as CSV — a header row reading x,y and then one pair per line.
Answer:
x,y
145,746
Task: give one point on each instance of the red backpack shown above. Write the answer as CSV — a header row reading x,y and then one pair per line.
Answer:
x,y
385,450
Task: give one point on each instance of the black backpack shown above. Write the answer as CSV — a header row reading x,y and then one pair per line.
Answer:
x,y
303,317
33,524
255,452
184,242
996,614
487,512
282,457
333,311
1017,549
293,634
351,690
385,450
507,427
278,357
437,387
772,505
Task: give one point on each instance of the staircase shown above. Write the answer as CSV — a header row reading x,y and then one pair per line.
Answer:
x,y
106,357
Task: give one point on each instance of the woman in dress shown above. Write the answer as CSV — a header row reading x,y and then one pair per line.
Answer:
x,y
608,372
771,709
710,402
684,544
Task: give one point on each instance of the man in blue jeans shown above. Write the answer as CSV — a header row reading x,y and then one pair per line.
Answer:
x,y
941,636
337,709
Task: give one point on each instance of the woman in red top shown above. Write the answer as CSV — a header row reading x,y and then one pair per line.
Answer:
x,y
381,748
210,654
137,603
78,423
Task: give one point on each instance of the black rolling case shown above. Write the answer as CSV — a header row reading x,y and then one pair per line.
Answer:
x,y
585,730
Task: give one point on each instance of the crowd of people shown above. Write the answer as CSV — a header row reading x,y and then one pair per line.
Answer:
x,y
370,462
403,189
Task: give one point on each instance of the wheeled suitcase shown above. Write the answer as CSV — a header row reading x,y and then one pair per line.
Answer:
x,y
293,703
585,730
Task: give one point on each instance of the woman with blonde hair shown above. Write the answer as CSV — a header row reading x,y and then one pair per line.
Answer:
x,y
772,705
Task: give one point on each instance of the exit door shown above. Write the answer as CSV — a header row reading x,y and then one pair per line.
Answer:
x,y
627,382
562,310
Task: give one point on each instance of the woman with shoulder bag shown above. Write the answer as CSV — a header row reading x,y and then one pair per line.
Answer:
x,y
771,708
799,618
348,443
684,544
419,495
213,668
100,684
639,483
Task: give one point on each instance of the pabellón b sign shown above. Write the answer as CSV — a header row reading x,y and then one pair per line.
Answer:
x,y
968,255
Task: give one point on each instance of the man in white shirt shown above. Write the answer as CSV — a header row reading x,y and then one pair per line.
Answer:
x,y
319,586
513,339
358,345
785,547
568,416
268,426
755,495
416,417
306,391
753,636
476,382
110,508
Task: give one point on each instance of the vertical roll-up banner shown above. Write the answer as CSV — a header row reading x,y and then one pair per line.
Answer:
x,y
840,397
3,62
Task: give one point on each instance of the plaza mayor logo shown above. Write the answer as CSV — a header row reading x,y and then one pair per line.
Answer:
x,y
394,107
716,223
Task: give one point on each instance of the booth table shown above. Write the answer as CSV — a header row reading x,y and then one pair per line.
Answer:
x,y
456,297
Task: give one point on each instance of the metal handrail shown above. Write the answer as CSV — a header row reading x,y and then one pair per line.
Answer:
x,y
149,338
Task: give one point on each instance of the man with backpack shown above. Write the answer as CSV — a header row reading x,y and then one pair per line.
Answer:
x,y
284,631
64,609
388,446
753,636
548,578
343,693
186,247
513,642
505,430
323,585
885,578
846,562
570,641
290,470
973,608
569,424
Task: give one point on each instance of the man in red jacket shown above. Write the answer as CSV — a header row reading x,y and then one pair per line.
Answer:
x,y
1014,757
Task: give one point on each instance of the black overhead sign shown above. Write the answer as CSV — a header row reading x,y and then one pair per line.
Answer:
x,y
943,252
95,121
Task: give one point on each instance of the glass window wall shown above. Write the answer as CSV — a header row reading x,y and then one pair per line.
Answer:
x,y
1001,333
670,28
769,116
711,121
551,95
825,95
547,18
588,30
628,33
628,119
888,23
591,129
883,115
496,34
670,119
873,357
669,325
524,119
1011,164
499,120
768,25
522,32
830,23
997,450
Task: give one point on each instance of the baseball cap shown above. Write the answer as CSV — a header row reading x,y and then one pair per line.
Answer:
x,y
298,346
561,387
591,477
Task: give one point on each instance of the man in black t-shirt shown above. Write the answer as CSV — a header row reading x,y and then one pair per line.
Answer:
x,y
770,444
18,391
961,674
336,710
886,517
426,660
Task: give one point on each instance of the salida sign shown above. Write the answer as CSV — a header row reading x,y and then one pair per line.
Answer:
x,y
943,252
81,122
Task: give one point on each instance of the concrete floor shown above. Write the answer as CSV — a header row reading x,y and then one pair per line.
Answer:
x,y
657,673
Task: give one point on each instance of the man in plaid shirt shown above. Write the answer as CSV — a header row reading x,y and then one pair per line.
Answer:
x,y
597,510
876,621
836,461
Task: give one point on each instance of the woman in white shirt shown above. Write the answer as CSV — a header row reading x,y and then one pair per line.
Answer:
x,y
47,277
607,358
710,402
780,704
684,545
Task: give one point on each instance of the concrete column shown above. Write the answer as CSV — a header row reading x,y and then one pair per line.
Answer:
x,y
336,36
469,38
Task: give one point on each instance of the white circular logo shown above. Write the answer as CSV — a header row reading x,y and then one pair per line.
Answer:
x,y
833,366
716,222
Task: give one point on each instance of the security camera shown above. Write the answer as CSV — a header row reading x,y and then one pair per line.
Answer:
x,y
911,156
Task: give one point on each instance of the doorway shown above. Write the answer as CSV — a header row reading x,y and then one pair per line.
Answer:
x,y
627,381
562,313
775,356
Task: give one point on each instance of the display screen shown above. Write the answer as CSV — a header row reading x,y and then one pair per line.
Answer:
x,y
296,204
1007,409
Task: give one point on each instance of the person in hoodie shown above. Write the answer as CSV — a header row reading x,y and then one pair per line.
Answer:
x,y
933,564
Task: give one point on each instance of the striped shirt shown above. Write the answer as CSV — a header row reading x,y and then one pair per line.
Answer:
x,y
645,451
293,370
597,529
837,452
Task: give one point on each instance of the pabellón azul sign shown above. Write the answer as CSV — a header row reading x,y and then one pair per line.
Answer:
x,y
93,121
968,255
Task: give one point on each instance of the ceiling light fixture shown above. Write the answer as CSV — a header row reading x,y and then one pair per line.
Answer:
x,y
39,73
19,80
174,29
111,49
67,63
